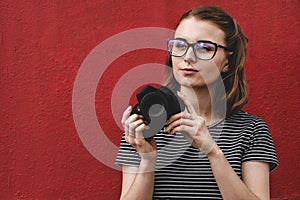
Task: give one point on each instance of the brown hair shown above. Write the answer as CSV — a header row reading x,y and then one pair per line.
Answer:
x,y
234,80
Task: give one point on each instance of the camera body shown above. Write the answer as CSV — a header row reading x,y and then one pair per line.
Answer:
x,y
156,105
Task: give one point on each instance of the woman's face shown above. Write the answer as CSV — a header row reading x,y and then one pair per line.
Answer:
x,y
190,71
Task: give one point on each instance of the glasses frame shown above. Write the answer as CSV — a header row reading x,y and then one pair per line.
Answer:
x,y
193,47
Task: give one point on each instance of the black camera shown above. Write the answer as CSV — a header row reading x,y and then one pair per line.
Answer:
x,y
156,105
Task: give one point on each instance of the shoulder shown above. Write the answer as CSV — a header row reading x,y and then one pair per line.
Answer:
x,y
245,124
245,117
258,142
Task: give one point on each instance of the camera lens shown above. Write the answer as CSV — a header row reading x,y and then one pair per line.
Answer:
x,y
156,110
158,116
156,106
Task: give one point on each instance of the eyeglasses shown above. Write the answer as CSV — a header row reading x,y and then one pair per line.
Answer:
x,y
203,50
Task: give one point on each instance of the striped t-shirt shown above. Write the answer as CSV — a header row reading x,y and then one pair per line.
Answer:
x,y
182,172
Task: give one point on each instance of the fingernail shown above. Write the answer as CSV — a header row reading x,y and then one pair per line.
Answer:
x,y
141,116
129,108
166,129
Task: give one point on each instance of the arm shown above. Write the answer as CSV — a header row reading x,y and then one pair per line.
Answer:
x,y
255,175
138,182
255,184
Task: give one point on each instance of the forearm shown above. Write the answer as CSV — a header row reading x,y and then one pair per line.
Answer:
x,y
143,183
229,183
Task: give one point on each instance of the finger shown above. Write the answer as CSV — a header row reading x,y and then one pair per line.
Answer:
x,y
179,122
188,104
174,118
126,137
139,134
129,121
131,140
137,138
132,126
183,129
178,116
125,115
126,131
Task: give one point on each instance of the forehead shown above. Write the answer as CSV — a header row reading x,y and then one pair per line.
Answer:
x,y
193,30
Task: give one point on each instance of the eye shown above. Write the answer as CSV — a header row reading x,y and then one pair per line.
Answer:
x,y
180,44
205,46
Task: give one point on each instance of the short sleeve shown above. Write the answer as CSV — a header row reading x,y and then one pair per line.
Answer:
x,y
261,145
127,155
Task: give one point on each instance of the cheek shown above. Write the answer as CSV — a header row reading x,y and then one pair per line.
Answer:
x,y
220,61
209,71
212,70
176,62
213,64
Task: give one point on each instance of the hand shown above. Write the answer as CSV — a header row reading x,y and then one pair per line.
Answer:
x,y
134,126
192,126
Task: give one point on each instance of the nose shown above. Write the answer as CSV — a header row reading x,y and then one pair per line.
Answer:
x,y
190,55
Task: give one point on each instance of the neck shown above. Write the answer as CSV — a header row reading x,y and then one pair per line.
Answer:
x,y
201,100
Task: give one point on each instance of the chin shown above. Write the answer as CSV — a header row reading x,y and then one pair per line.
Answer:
x,y
186,83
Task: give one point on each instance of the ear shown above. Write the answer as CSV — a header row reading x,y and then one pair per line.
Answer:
x,y
225,67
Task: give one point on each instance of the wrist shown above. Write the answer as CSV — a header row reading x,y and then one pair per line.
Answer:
x,y
147,165
215,153
208,145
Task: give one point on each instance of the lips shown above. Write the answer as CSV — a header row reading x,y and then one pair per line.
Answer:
x,y
189,70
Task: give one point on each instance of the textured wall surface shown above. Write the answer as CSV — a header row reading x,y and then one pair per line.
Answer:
x,y
44,43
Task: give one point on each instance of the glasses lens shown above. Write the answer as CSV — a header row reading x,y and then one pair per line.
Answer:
x,y
205,50
177,47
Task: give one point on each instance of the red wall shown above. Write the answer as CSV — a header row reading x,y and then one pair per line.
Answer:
x,y
43,46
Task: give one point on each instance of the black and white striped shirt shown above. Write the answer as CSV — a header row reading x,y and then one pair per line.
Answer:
x,y
182,172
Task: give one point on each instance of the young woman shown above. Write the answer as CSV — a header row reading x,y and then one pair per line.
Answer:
x,y
212,150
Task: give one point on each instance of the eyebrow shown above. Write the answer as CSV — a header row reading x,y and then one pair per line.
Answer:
x,y
196,41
